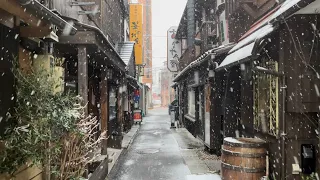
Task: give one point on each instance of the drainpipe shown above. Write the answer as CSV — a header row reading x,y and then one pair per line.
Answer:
x,y
190,22
284,133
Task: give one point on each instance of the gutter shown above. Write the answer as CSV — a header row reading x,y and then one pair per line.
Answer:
x,y
46,14
203,58
106,39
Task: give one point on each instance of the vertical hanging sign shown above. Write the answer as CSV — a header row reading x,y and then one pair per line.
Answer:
x,y
173,50
136,32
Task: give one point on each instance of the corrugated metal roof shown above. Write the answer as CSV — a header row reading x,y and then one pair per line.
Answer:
x,y
125,50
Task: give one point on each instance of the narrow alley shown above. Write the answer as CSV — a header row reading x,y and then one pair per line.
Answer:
x,y
159,89
159,152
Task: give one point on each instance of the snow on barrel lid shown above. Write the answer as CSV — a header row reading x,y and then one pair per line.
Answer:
x,y
244,140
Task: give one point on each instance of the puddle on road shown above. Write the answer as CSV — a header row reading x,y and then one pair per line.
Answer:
x,y
148,151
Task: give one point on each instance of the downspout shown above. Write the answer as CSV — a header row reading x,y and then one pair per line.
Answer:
x,y
190,22
284,133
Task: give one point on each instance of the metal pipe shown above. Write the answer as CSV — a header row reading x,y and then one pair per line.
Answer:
x,y
191,29
47,15
267,71
283,134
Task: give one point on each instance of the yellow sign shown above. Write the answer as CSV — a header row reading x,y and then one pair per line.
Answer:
x,y
136,32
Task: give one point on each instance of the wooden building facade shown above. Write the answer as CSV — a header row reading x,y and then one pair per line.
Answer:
x,y
265,86
202,49
90,40
276,87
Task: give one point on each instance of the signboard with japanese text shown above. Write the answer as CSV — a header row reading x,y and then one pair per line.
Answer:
x,y
173,49
137,115
136,31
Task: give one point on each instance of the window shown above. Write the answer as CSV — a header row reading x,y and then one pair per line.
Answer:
x,y
191,103
266,105
112,104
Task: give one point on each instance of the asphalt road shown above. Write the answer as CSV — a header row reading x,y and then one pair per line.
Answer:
x,y
154,154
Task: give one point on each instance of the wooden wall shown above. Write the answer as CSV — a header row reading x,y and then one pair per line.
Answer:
x,y
232,102
300,100
301,79
63,6
111,20
239,23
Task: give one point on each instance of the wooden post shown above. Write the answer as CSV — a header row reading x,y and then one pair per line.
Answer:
x,y
83,75
104,105
197,106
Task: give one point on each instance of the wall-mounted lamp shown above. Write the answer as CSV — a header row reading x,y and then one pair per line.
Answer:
x,y
211,73
213,56
212,67
196,77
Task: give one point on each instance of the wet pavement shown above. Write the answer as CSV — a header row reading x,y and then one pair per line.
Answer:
x,y
155,153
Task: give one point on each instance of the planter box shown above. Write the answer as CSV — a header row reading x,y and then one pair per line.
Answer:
x,y
24,173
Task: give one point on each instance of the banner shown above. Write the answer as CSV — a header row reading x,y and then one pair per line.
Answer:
x,y
136,32
173,49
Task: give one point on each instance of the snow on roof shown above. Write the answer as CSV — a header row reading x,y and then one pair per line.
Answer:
x,y
263,31
237,56
244,48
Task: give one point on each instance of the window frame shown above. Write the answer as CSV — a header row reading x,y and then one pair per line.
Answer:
x,y
191,111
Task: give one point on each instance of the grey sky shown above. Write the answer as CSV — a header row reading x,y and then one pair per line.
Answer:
x,y
165,13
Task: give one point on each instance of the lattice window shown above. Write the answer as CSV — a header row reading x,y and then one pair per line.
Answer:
x,y
266,98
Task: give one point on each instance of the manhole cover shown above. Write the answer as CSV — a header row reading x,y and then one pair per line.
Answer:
x,y
148,151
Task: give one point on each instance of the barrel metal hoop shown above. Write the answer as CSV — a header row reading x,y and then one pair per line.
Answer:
x,y
245,145
241,169
257,155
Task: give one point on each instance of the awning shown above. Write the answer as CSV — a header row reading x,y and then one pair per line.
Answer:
x,y
312,8
93,36
245,48
174,85
250,41
44,13
125,50
133,82
204,58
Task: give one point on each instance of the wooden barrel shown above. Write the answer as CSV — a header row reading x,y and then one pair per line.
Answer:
x,y
243,159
